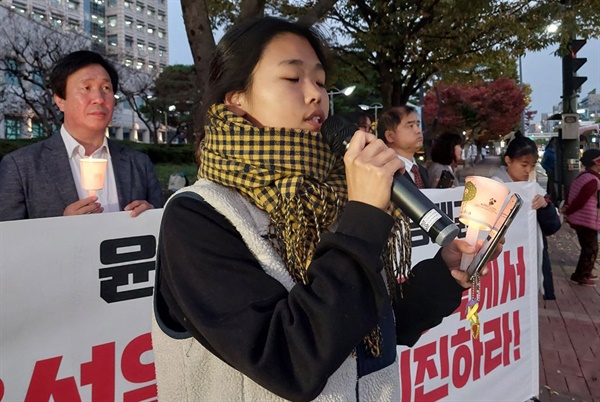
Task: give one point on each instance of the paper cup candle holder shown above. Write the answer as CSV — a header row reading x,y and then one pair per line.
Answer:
x,y
93,172
481,205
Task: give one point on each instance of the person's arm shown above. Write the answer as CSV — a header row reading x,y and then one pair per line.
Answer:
x,y
288,342
587,191
548,218
12,194
154,198
430,294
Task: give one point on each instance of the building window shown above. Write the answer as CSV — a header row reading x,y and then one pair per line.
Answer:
x,y
56,21
73,25
13,128
140,26
127,4
151,29
73,5
140,46
161,16
161,33
37,130
11,72
128,22
112,3
151,47
113,40
55,3
38,81
150,11
112,20
139,7
38,15
162,51
139,65
128,42
19,7
128,62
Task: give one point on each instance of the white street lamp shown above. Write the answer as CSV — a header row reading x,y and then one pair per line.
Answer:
x,y
346,91
171,109
374,106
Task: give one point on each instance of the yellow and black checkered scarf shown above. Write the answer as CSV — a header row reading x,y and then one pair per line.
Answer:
x,y
298,181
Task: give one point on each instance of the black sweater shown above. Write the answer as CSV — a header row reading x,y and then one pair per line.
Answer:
x,y
211,286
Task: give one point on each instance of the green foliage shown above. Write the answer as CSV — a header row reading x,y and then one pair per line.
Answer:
x,y
401,45
164,170
7,146
174,153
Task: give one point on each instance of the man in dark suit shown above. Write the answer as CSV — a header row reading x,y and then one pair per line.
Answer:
x,y
400,128
44,179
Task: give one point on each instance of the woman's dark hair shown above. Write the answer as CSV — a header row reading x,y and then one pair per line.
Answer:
x,y
390,119
443,148
358,117
240,49
74,62
521,146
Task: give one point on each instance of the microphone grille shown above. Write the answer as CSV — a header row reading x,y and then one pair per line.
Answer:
x,y
337,132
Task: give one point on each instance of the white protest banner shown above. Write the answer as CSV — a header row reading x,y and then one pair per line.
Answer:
x,y
75,314
502,364
75,308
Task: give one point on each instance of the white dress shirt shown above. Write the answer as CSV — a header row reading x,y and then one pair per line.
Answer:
x,y
408,166
107,197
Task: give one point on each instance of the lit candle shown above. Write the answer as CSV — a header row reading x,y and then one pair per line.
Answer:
x,y
93,171
481,205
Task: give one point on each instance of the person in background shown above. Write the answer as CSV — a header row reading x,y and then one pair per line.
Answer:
x,y
581,211
446,153
548,163
361,119
270,281
44,179
400,128
521,157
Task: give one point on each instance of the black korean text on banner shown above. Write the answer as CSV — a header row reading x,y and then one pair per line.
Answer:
x,y
457,358
126,250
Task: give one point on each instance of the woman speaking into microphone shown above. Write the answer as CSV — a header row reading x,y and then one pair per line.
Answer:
x,y
270,279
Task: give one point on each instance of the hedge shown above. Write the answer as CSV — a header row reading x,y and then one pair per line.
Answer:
x,y
158,153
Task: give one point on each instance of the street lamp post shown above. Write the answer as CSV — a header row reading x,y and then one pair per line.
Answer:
x,y
171,109
346,91
374,106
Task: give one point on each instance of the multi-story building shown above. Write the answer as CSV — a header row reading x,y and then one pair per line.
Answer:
x,y
135,31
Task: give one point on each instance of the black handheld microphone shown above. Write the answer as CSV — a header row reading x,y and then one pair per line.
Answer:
x,y
337,132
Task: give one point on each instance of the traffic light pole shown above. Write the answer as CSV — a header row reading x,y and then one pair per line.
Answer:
x,y
568,155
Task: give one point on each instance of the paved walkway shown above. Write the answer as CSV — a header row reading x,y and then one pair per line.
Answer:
x,y
569,327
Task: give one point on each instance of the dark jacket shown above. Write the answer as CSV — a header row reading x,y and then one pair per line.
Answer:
x,y
36,181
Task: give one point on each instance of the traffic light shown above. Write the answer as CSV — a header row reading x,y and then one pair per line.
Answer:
x,y
571,63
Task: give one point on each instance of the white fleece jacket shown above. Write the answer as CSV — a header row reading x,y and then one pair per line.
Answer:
x,y
186,371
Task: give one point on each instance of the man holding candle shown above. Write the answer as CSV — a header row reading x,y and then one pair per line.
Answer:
x,y
44,179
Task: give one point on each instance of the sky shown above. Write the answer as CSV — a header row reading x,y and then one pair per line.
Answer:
x,y
541,70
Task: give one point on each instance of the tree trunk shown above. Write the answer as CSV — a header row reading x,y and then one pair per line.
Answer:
x,y
202,45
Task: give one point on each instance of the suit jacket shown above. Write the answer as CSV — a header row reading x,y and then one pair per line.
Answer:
x,y
36,180
424,176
